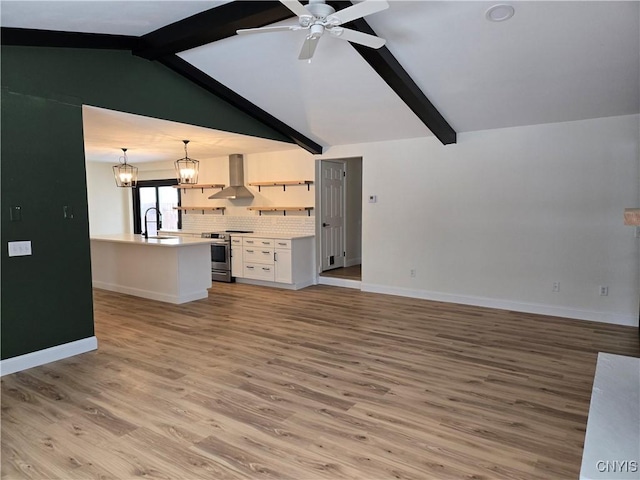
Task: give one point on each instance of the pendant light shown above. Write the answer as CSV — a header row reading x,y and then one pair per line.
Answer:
x,y
187,168
126,175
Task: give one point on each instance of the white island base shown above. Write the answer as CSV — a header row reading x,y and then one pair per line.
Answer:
x,y
174,271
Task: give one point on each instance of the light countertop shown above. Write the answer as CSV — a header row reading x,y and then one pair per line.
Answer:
x,y
154,242
279,236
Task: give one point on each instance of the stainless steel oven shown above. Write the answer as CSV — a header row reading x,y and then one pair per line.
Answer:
x,y
220,256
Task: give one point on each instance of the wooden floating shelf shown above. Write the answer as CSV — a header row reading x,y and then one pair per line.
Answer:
x,y
201,186
284,210
632,216
202,209
284,184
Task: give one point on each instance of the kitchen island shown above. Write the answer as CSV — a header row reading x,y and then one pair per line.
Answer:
x,y
169,269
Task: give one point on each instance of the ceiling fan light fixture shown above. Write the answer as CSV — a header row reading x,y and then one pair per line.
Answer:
x,y
319,17
187,168
316,31
500,12
126,175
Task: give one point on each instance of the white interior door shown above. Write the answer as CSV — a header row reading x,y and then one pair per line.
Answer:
x,y
333,218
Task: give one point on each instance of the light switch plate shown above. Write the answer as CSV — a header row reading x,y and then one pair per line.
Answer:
x,y
19,249
67,212
15,213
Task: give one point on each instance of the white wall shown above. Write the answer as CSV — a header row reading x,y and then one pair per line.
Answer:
x,y
493,220
156,170
498,217
109,206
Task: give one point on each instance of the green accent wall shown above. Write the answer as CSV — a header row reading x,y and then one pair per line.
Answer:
x,y
46,297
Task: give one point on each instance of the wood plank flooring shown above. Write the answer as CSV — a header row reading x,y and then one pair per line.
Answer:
x,y
320,383
350,273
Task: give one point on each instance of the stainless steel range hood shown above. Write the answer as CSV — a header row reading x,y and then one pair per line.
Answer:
x,y
236,188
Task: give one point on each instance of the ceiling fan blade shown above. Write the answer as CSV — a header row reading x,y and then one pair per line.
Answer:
x,y
358,10
308,47
296,7
283,28
357,37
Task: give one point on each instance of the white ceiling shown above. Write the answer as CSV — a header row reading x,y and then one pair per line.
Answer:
x,y
97,16
147,139
553,61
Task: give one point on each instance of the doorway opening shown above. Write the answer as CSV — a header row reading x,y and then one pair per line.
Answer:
x,y
339,221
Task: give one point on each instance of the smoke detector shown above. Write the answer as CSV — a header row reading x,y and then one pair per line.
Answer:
x,y
499,13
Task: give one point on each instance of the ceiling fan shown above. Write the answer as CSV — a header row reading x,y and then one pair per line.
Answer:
x,y
318,18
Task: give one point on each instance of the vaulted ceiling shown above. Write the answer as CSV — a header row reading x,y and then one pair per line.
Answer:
x,y
553,61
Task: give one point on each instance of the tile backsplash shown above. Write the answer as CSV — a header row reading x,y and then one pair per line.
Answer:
x,y
289,224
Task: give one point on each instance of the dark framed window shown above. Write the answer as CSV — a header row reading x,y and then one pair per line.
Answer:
x,y
160,195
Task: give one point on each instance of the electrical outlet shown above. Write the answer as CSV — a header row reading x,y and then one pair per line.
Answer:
x,y
412,273
19,249
555,287
604,290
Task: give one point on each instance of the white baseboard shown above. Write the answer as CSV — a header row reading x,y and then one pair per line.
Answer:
x,y
540,309
48,355
340,282
161,297
285,286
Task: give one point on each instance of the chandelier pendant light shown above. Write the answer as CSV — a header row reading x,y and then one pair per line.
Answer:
x,y
187,168
126,175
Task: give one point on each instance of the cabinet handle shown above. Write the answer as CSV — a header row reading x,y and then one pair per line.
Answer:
x,y
249,251
266,243
283,244
249,241
275,256
250,267
266,268
267,252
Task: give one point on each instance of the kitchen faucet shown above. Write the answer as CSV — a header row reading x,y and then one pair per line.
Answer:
x,y
146,227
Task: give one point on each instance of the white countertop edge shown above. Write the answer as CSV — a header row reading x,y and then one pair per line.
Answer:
x,y
280,236
132,239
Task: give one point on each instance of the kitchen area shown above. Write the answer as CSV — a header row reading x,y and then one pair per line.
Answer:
x,y
244,217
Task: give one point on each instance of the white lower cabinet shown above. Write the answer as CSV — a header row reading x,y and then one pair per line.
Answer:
x,y
259,271
283,266
237,266
288,263
257,256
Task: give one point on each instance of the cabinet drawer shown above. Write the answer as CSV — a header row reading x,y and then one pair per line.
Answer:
x,y
283,244
257,254
259,271
258,242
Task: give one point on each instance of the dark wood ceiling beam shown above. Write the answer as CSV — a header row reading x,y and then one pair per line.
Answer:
x,y
200,78
210,26
28,37
223,21
388,67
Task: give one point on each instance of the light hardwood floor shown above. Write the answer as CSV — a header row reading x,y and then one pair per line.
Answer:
x,y
350,273
320,383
